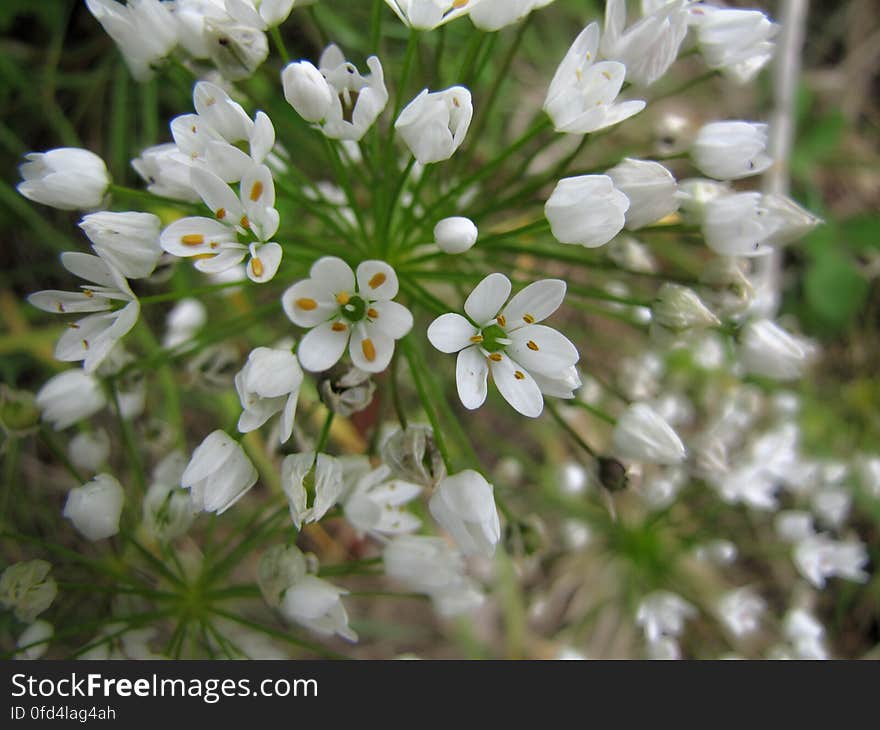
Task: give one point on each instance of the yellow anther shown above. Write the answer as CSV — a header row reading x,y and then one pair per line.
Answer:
x,y
338,327
61,307
221,213
528,319
377,280
256,190
192,239
531,345
459,3
372,313
73,325
606,75
257,267
477,339
518,375
89,293
501,320
245,223
85,344
369,350
306,304
495,357
343,298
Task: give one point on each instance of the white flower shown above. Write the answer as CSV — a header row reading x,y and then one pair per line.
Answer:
x,y
434,124
492,15
129,241
88,450
506,340
642,435
794,525
464,505
740,611
34,640
347,309
183,320
166,170
28,589
766,349
650,188
268,383
91,338
455,234
69,397
279,568
735,41
313,484
739,225
793,222
68,178
167,510
581,97
719,552
316,604
805,634
375,503
218,474
664,648
649,47
731,150
355,101
693,195
832,505
428,14
818,558
215,240
307,91
144,30
95,507
237,49
867,468
678,308
587,210
261,14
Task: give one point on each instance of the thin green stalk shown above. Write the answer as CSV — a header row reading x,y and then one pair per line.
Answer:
x,y
427,404
574,435
278,40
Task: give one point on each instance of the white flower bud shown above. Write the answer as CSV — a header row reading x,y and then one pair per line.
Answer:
x,y
738,225
793,221
68,178
312,485
434,124
218,474
642,435
587,210
651,190
129,241
867,470
315,604
69,397
307,91
455,235
88,450
464,505
167,511
766,349
357,100
269,383
34,640
184,319
735,41
731,150
28,589
818,558
237,50
679,308
95,507
740,611
166,170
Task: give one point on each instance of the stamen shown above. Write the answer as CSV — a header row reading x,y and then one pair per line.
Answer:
x,y
257,190
477,339
306,304
501,320
342,298
606,75
85,344
192,239
245,223
518,375
89,293
495,357
459,3
73,325
193,129
210,101
338,327
528,319
377,280
369,350
372,313
257,267
531,345
221,213
61,307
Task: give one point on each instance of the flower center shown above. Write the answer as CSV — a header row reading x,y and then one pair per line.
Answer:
x,y
354,309
494,338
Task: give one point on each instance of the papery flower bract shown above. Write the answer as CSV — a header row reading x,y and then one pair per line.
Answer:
x,y
582,94
28,589
793,221
586,210
413,455
733,40
464,505
145,31
375,503
347,309
70,397
68,178
215,240
218,474
167,510
506,340
95,507
313,484
642,435
768,350
731,150
129,241
355,101
455,235
649,47
91,338
269,383
434,124
428,14
34,640
650,188
316,604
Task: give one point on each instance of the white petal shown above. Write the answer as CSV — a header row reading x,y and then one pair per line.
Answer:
x,y
63,302
262,137
376,280
518,387
393,320
487,298
217,195
542,349
229,255
89,267
226,161
370,351
332,275
451,332
195,236
471,372
299,299
322,347
537,302
264,262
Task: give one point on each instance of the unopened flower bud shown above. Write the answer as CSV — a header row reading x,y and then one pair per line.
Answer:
x,y
68,178
612,474
587,210
767,350
455,235
95,507
642,435
306,90
678,308
650,187
731,150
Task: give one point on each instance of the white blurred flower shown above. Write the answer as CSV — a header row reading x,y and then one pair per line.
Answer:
x,y
455,235
34,640
69,397
88,450
642,435
766,349
218,474
184,319
95,507
464,505
740,610
662,614
28,589
818,558
68,178
735,41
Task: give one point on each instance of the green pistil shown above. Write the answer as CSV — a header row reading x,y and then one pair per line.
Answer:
x,y
494,338
354,310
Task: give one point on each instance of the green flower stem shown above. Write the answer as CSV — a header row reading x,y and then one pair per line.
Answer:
x,y
534,227
384,241
128,441
395,391
173,296
417,376
412,47
696,81
574,435
376,26
33,219
343,179
325,433
598,412
150,198
275,32
469,60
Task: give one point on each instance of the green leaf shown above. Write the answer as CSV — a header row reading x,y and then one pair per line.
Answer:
x,y
835,290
